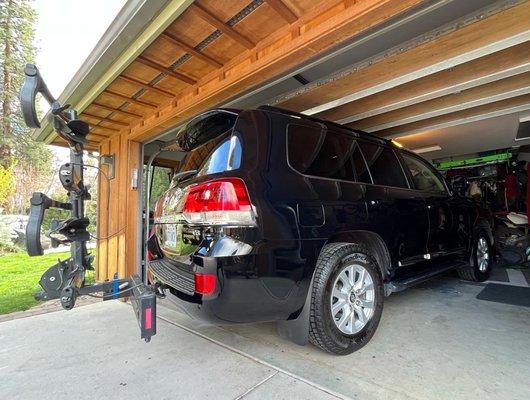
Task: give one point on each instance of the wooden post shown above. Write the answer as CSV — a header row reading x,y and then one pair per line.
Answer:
x,y
119,210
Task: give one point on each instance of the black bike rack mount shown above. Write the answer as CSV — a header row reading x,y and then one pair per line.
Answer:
x,y
66,279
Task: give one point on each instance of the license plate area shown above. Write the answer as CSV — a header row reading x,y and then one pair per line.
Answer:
x,y
171,236
179,241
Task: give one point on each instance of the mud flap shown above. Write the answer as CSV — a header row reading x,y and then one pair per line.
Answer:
x,y
297,330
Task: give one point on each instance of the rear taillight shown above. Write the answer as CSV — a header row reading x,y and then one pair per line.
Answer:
x,y
205,283
219,202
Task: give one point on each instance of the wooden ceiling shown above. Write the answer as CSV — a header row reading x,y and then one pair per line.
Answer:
x,y
473,69
217,48
205,38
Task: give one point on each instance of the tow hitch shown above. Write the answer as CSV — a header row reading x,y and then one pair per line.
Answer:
x,y
66,279
142,297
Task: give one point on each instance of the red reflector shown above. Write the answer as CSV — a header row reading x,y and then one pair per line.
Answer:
x,y
228,194
205,283
148,318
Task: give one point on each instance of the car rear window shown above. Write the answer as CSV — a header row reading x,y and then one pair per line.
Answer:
x,y
225,157
383,164
317,151
210,144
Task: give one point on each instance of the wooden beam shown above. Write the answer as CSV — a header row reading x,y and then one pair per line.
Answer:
x,y
506,63
105,119
498,108
500,90
190,50
103,128
90,145
146,85
485,36
320,30
131,99
128,113
285,12
224,28
97,135
166,70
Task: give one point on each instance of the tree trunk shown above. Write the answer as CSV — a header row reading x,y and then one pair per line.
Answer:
x,y
5,150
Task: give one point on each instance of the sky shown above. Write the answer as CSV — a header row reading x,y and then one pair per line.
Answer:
x,y
66,33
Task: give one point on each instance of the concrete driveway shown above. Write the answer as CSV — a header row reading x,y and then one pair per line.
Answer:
x,y
435,341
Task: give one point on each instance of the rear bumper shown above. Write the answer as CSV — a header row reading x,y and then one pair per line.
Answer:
x,y
265,285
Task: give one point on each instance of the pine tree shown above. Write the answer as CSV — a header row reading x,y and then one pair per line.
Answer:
x,y
31,160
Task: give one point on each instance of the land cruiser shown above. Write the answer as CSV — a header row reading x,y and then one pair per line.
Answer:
x,y
277,216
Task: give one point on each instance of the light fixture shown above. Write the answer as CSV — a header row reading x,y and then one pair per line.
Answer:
x,y
397,144
525,118
426,149
109,161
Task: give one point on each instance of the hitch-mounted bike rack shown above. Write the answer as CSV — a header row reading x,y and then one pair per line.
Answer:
x,y
66,279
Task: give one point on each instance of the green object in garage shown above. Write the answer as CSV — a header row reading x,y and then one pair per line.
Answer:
x,y
473,161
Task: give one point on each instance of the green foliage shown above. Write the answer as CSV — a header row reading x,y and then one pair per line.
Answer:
x,y
33,159
54,213
6,243
19,279
7,184
161,181
59,214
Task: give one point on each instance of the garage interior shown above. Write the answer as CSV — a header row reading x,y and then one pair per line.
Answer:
x,y
468,114
447,79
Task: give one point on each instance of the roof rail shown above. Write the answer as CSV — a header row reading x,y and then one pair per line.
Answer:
x,y
322,121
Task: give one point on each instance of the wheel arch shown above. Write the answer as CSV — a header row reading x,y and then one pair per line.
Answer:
x,y
483,225
374,242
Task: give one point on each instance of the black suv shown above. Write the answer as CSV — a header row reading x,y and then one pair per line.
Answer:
x,y
277,216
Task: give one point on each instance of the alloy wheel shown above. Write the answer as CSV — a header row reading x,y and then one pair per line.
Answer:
x,y
352,299
483,256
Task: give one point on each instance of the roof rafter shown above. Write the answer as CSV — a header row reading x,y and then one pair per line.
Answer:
x,y
479,95
224,28
321,29
281,8
131,99
161,68
490,68
495,109
104,119
146,86
190,50
128,113
453,45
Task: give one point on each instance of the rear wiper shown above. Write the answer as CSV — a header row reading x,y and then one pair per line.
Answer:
x,y
183,175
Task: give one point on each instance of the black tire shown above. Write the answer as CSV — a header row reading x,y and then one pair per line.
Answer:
x,y
322,329
473,273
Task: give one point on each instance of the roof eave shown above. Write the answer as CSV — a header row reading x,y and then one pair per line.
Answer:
x,y
135,27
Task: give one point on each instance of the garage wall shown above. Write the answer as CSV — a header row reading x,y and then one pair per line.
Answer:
x,y
119,210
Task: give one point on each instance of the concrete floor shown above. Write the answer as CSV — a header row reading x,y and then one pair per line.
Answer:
x,y
435,341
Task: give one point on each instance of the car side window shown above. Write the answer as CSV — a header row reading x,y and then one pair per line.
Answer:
x,y
423,177
383,164
320,152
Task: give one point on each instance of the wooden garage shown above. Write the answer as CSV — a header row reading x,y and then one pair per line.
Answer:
x,y
403,69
